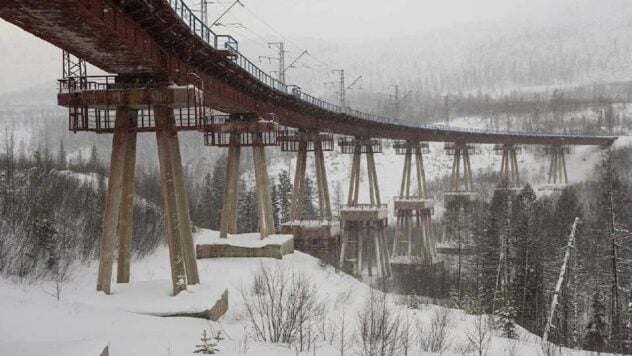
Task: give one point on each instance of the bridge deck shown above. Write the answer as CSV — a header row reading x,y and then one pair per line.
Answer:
x,y
163,40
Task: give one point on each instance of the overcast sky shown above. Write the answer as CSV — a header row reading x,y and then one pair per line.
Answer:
x,y
361,19
26,60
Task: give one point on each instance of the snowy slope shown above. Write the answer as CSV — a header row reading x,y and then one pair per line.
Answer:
x,y
32,317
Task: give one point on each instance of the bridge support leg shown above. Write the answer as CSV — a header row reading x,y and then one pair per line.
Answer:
x,y
228,222
363,227
557,169
509,173
184,217
354,182
126,214
298,191
324,204
413,230
363,245
374,188
164,126
113,199
461,176
264,200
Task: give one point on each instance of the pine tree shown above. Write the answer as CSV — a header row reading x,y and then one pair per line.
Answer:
x,y
93,164
276,205
596,330
207,347
525,240
217,193
284,191
248,218
61,157
42,216
309,209
614,217
493,250
205,204
505,318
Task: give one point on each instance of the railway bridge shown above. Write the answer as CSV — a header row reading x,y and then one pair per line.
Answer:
x,y
170,72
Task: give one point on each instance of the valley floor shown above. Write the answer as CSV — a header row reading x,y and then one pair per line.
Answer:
x,y
34,322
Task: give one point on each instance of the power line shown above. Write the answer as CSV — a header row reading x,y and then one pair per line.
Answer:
x,y
342,87
225,12
280,59
397,100
252,14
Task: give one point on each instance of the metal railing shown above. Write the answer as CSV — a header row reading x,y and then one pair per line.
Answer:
x,y
413,198
82,117
313,220
367,207
226,42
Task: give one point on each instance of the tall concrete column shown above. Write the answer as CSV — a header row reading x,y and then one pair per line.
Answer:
x,y
324,201
184,217
298,191
126,214
372,172
421,174
354,182
262,185
113,199
164,125
228,222
557,169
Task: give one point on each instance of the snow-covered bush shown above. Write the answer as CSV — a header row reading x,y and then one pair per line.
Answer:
x,y
434,338
279,304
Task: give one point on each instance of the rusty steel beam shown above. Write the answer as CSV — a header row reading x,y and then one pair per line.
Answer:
x,y
146,39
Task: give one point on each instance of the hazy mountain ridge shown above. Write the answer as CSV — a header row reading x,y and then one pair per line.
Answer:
x,y
570,43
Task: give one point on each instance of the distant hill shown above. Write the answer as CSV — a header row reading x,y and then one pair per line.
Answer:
x,y
569,42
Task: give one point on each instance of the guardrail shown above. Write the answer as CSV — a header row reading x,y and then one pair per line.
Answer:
x,y
227,42
363,207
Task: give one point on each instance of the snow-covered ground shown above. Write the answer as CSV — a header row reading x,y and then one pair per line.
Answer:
x,y
33,321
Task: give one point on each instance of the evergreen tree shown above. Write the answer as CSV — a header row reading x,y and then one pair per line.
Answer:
x,y
248,218
614,216
596,330
525,241
284,192
93,164
309,209
276,205
217,193
207,347
505,318
203,213
493,249
42,215
61,157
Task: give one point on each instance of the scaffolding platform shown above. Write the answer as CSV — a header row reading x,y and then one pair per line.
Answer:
x,y
350,145
92,102
290,140
412,203
363,212
403,147
249,128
